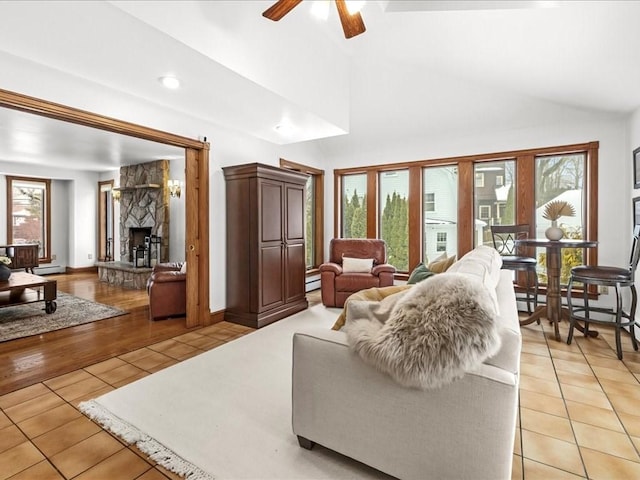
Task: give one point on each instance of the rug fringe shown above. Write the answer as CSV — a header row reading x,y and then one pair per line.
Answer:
x,y
147,445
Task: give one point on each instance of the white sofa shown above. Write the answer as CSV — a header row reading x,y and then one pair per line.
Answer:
x,y
464,430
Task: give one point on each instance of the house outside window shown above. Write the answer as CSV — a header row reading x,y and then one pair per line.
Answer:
x,y
29,213
479,180
484,212
441,241
499,180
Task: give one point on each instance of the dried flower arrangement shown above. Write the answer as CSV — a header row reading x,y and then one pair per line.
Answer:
x,y
558,208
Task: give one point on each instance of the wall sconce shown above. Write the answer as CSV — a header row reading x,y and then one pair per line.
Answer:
x,y
175,188
116,195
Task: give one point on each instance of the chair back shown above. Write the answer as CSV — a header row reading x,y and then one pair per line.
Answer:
x,y
504,237
635,251
358,248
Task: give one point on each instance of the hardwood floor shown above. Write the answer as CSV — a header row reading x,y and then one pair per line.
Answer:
x,y
34,359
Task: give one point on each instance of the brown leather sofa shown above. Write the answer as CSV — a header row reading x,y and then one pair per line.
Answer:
x,y
167,289
336,286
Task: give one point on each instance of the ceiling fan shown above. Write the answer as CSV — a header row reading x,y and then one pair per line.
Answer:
x,y
352,23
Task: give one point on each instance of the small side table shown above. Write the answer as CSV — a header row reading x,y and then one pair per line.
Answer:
x,y
553,310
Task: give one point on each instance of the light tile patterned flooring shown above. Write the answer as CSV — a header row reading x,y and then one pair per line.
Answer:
x,y
579,412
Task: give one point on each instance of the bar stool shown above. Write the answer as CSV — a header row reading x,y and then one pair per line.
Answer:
x,y
504,241
615,277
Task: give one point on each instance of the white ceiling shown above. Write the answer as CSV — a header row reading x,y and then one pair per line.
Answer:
x,y
415,71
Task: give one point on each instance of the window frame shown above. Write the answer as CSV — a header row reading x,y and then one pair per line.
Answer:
x,y
318,211
46,247
525,210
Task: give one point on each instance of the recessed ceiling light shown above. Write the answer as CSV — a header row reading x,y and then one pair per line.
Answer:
x,y
170,82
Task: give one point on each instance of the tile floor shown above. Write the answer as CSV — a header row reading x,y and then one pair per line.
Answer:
x,y
579,412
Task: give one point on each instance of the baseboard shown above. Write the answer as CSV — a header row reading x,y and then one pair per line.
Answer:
x,y
92,269
215,317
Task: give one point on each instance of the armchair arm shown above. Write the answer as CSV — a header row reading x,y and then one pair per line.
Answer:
x,y
167,267
168,276
383,267
331,267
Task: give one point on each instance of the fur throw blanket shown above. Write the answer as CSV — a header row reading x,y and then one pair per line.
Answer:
x,y
439,329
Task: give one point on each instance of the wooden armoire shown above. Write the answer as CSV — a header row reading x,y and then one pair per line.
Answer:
x,y
265,244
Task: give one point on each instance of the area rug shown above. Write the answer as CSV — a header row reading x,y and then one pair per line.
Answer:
x,y
30,319
226,413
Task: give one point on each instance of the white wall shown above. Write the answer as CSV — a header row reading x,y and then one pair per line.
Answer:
x,y
177,213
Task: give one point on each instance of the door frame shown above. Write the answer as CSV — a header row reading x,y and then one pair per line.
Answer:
x,y
197,177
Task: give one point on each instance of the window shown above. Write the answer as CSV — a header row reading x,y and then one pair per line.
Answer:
x,y
495,205
354,206
394,216
561,177
516,185
429,202
314,212
29,213
443,181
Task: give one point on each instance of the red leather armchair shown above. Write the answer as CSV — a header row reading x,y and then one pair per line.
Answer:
x,y
167,289
336,285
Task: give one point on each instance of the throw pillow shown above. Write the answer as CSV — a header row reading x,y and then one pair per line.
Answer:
x,y
439,330
421,272
357,265
183,268
442,263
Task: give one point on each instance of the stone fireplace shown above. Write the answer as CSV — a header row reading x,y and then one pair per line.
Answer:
x,y
144,210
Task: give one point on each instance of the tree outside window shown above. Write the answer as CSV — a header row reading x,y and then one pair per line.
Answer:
x,y
354,206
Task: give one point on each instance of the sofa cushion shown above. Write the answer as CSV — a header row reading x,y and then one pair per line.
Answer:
x,y
441,328
421,272
356,265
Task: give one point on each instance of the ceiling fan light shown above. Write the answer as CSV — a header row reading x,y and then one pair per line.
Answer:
x,y
320,9
354,6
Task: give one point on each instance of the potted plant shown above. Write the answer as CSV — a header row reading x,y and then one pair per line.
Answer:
x,y
553,211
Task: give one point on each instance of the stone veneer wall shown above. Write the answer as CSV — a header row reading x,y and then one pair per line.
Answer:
x,y
142,205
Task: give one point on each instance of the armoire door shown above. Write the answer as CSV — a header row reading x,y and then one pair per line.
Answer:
x,y
295,258
271,245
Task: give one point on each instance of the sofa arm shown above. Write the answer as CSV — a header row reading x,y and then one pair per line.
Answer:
x,y
463,430
383,268
331,267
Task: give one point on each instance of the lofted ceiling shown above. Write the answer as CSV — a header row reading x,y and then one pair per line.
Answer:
x,y
420,68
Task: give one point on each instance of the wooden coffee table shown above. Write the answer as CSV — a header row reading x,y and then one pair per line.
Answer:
x,y
25,287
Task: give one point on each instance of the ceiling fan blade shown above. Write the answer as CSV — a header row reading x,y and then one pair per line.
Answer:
x,y
351,24
279,9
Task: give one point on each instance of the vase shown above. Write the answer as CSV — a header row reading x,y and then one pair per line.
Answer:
x,y
554,232
5,272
